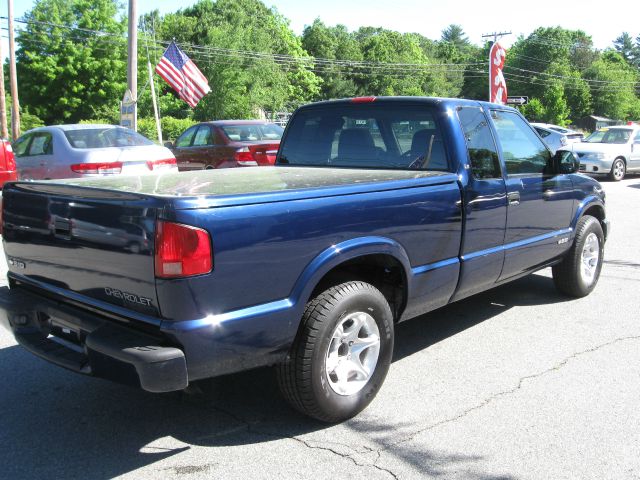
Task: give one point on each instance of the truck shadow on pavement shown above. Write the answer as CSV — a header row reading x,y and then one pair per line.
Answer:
x,y
57,424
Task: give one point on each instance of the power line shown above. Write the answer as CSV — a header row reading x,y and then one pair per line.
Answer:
x,y
225,56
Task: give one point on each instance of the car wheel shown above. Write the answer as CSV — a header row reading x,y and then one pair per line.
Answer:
x,y
618,170
342,353
577,275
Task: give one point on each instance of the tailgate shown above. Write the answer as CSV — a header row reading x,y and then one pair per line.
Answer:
x,y
96,243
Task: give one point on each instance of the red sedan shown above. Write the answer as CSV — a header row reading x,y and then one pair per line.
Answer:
x,y
227,143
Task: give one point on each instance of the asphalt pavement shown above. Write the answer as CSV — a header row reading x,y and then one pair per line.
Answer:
x,y
515,383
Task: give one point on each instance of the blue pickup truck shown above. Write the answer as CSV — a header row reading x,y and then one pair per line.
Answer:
x,y
378,210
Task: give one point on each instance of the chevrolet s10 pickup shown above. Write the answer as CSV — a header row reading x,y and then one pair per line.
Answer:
x,y
378,210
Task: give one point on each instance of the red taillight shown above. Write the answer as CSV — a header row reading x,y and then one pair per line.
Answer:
x,y
363,99
159,164
102,167
244,157
181,250
254,155
10,158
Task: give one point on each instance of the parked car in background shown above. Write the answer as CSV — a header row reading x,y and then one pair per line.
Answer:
x,y
8,170
227,143
88,150
556,136
611,151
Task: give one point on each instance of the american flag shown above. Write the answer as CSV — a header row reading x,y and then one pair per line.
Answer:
x,y
182,74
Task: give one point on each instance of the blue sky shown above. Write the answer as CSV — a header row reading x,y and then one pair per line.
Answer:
x,y
603,21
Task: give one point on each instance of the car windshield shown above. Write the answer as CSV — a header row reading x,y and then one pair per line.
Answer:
x,y
105,137
617,135
596,137
251,133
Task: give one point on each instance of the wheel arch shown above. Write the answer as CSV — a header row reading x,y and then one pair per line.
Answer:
x,y
594,207
377,260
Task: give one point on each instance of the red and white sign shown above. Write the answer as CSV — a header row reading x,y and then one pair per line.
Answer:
x,y
497,85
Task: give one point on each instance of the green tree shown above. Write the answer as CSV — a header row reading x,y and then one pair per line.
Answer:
x,y
534,111
556,110
625,46
68,72
549,65
455,34
332,43
218,35
613,86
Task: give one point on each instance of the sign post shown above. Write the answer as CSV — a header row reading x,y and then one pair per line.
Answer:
x,y
128,111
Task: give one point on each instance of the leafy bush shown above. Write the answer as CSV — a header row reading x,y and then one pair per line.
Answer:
x,y
171,127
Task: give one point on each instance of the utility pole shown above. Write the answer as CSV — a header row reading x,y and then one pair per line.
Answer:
x,y
15,110
132,63
495,36
3,104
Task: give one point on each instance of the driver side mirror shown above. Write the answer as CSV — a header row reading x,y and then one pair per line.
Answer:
x,y
565,162
169,145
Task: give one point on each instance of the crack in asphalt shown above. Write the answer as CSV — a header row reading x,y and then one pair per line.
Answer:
x,y
250,428
324,446
510,391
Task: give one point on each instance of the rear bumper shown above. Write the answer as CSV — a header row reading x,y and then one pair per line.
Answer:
x,y
89,344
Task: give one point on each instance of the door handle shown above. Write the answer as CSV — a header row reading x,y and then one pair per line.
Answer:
x,y
513,198
548,194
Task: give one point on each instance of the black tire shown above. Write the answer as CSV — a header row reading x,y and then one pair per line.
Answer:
x,y
303,377
569,276
618,170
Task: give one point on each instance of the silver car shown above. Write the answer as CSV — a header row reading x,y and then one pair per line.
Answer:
x,y
556,136
88,150
611,151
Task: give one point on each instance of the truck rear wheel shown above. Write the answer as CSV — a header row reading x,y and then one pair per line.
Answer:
x,y
342,353
577,275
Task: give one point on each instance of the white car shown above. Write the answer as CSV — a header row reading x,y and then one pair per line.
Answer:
x,y
612,151
556,136
88,150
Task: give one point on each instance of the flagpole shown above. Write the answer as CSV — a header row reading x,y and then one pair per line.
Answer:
x,y
155,103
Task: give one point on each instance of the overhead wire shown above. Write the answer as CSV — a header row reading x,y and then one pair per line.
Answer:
x,y
227,56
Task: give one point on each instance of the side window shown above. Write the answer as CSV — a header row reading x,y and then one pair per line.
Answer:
x,y
483,153
185,139
21,145
42,144
523,151
203,136
637,137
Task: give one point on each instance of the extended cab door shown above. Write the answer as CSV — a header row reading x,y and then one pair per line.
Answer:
x,y
485,203
540,202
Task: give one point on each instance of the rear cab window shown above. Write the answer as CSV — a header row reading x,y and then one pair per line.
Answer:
x,y
383,136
